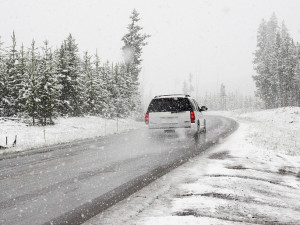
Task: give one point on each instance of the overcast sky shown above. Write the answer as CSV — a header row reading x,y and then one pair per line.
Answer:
x,y
214,40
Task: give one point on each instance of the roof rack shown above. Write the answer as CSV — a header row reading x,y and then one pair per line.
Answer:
x,y
158,96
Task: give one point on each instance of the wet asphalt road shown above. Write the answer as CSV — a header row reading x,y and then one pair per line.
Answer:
x,y
68,184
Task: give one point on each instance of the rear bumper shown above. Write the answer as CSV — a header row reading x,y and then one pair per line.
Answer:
x,y
191,127
166,127
177,132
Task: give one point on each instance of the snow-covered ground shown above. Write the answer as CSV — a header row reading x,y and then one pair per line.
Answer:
x,y
276,129
65,130
253,177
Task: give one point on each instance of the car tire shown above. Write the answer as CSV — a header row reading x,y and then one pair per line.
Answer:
x,y
198,127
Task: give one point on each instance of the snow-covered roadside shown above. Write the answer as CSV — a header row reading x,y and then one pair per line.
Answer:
x,y
65,130
276,129
251,178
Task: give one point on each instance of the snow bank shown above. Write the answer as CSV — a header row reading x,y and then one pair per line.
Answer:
x,y
275,129
65,130
280,116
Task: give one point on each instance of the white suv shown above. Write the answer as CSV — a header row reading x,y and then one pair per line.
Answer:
x,y
171,112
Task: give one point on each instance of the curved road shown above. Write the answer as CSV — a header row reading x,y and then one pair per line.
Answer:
x,y
71,183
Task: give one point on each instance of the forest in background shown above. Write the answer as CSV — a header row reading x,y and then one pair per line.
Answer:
x,y
223,100
277,79
277,64
42,83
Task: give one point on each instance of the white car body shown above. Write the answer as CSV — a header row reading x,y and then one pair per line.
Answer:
x,y
172,112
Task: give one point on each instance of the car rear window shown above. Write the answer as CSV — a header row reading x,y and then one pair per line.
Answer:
x,y
169,105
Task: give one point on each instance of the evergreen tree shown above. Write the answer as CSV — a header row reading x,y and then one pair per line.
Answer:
x,y
43,85
279,71
271,63
259,61
134,42
32,97
276,65
100,86
48,89
266,62
297,78
284,55
68,68
121,91
128,94
13,81
115,91
89,77
22,75
107,91
61,73
4,102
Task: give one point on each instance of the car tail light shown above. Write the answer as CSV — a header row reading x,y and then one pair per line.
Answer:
x,y
192,117
147,118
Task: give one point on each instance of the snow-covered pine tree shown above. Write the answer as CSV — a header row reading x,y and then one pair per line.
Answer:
x,y
297,77
134,42
115,91
127,91
284,56
68,68
278,92
62,76
266,62
100,86
135,103
272,62
121,92
13,81
31,95
3,83
276,65
22,74
48,89
288,56
259,61
292,63
90,90
107,91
